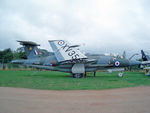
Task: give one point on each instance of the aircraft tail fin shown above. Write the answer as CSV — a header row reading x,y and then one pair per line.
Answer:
x,y
64,51
31,49
124,55
144,56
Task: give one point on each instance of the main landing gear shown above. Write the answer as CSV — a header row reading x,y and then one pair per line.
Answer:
x,y
77,75
81,75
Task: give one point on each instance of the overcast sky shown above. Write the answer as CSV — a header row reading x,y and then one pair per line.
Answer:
x,y
97,25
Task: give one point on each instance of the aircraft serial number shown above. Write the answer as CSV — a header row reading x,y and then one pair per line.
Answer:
x,y
70,52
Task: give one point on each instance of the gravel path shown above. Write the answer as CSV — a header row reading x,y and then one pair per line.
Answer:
x,y
125,100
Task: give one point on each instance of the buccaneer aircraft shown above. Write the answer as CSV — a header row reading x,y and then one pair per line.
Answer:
x,y
145,63
68,58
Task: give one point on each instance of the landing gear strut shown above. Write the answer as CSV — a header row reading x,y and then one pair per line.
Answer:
x,y
85,74
94,73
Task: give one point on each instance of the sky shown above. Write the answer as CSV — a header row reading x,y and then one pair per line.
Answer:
x,y
99,26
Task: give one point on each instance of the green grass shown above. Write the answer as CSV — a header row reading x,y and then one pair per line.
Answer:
x,y
63,81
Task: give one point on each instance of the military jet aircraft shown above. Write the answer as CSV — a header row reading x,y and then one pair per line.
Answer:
x,y
144,56
145,63
68,58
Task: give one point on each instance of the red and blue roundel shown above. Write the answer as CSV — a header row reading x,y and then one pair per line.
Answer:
x,y
61,42
117,63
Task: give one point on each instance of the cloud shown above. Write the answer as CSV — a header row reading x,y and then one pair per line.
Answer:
x,y
98,25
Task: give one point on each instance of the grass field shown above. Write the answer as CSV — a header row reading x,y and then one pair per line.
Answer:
x,y
63,81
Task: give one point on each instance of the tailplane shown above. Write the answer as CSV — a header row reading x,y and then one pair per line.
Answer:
x,y
31,49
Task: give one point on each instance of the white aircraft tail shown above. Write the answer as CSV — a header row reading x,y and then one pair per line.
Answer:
x,y
65,51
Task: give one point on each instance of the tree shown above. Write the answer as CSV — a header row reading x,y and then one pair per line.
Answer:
x,y
19,54
6,55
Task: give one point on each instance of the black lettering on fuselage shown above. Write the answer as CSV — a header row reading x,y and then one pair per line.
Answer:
x,y
75,56
68,49
63,47
70,52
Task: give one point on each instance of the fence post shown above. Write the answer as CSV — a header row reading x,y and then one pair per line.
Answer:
x,y
3,67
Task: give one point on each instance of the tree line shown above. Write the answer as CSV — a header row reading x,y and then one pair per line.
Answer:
x,y
7,55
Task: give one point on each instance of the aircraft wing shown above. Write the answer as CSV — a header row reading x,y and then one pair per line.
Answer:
x,y
66,52
145,62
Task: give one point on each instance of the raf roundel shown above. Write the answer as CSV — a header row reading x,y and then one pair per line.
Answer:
x,y
117,63
61,42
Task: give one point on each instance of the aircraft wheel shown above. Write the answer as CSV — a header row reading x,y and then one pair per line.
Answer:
x,y
120,74
78,75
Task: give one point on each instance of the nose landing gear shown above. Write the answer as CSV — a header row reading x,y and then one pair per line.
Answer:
x,y
120,74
